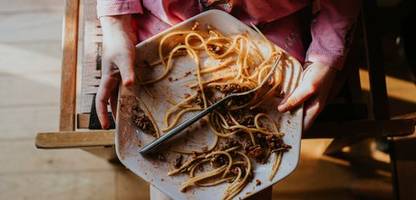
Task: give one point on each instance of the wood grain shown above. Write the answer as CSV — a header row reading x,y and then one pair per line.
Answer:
x,y
74,139
69,66
83,120
404,148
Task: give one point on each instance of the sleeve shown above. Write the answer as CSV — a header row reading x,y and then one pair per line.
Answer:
x,y
118,7
331,31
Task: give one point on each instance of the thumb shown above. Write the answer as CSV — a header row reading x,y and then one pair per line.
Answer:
x,y
297,97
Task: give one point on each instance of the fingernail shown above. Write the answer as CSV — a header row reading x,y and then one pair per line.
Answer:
x,y
281,108
128,82
105,126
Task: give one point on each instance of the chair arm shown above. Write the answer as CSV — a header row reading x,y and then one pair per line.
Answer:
x,y
74,139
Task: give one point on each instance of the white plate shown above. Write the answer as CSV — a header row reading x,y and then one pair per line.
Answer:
x,y
130,139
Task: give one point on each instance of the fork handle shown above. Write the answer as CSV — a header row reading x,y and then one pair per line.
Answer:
x,y
151,147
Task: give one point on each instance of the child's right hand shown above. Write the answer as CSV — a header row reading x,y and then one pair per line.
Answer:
x,y
118,59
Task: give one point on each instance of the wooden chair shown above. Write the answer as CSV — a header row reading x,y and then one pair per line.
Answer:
x,y
352,121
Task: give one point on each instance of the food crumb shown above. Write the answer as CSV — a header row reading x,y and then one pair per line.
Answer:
x,y
258,182
161,157
142,121
178,161
195,26
188,73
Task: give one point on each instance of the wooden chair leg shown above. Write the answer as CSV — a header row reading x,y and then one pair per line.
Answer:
x,y
402,151
69,66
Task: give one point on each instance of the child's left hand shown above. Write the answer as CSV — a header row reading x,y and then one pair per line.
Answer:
x,y
313,91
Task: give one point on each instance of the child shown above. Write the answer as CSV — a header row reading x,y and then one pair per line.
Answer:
x,y
127,22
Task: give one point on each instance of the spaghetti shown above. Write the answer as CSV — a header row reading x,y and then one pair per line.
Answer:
x,y
243,131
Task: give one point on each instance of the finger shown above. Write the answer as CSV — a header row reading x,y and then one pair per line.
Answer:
x,y
113,103
300,95
311,111
107,86
126,66
101,108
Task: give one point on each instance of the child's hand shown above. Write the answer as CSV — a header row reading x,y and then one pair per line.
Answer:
x,y
313,91
117,63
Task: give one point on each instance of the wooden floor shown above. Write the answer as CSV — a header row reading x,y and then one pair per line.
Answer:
x,y
30,33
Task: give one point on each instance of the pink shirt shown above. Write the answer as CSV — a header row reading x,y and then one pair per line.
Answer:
x,y
279,20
